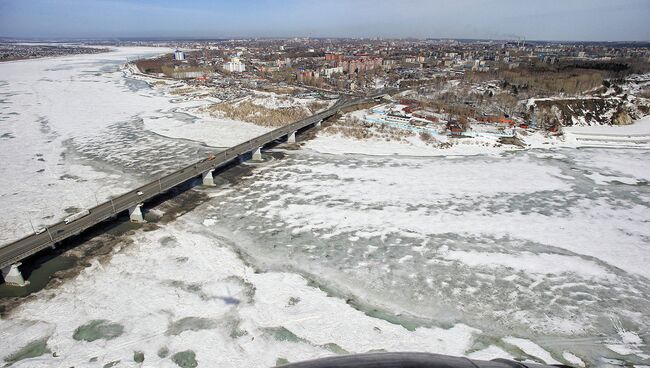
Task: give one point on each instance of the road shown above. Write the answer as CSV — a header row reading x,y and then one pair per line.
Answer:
x,y
29,245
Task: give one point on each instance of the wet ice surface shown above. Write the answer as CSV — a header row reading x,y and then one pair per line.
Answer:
x,y
135,150
528,244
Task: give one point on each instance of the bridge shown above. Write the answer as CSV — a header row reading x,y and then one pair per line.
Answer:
x,y
11,254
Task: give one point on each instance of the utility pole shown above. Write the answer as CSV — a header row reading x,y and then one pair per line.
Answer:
x,y
32,225
48,233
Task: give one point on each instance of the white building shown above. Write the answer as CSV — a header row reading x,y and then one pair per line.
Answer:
x,y
234,65
187,74
397,118
329,71
179,55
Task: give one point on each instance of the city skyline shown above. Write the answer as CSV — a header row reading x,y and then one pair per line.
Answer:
x,y
580,20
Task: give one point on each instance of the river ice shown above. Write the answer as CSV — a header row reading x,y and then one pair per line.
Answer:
x,y
537,255
525,244
318,254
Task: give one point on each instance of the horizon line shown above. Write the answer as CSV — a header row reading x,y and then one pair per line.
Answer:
x,y
242,38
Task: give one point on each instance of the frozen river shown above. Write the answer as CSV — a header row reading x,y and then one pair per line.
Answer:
x,y
533,255
75,131
537,255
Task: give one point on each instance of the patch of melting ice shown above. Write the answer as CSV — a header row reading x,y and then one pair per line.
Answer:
x,y
98,329
191,324
33,349
185,359
130,147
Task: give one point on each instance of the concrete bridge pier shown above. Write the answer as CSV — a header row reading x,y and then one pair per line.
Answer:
x,y
12,275
257,154
135,213
208,179
291,137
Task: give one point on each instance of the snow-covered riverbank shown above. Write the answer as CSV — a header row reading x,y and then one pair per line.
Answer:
x,y
636,136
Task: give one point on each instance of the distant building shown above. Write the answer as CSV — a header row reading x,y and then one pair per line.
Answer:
x,y
307,75
360,63
281,63
329,71
399,118
179,55
388,64
334,57
268,68
185,71
455,129
234,66
188,74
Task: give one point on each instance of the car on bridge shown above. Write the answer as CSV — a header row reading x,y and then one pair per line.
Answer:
x,y
76,216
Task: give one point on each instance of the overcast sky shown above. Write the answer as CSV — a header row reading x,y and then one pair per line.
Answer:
x,y
580,20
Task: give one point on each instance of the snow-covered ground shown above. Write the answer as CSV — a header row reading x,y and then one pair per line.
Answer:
x,y
636,135
214,132
413,146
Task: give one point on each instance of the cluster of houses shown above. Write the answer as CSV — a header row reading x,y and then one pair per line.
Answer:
x,y
351,65
408,115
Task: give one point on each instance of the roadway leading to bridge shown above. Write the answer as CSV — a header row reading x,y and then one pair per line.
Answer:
x,y
16,251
